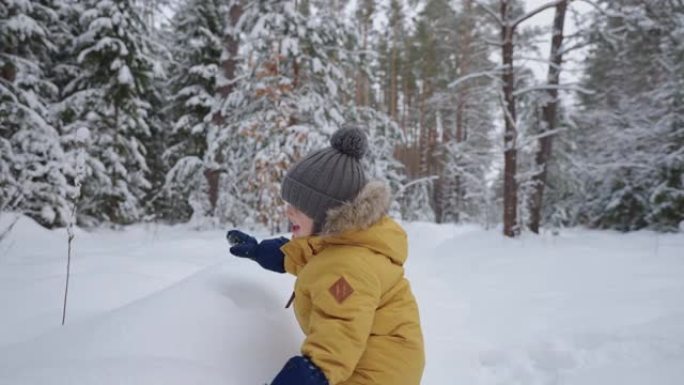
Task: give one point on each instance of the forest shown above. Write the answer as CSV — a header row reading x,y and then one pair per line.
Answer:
x,y
115,112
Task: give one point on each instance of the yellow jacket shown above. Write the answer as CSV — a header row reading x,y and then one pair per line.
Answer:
x,y
351,298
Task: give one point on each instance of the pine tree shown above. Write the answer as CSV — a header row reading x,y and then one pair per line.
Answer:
x,y
667,198
287,103
508,19
34,177
108,97
382,133
633,161
436,38
364,20
549,116
198,28
467,148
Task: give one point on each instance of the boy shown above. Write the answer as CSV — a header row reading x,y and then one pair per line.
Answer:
x,y
351,299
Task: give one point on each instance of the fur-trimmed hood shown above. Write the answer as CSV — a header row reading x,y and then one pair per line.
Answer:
x,y
363,222
372,203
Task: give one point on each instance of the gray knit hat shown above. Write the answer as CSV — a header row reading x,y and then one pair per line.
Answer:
x,y
327,178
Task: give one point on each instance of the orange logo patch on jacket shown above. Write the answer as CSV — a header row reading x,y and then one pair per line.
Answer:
x,y
341,290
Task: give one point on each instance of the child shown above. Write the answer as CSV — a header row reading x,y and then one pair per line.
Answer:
x,y
351,298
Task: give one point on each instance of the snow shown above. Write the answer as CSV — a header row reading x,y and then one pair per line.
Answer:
x,y
317,66
24,26
154,304
48,214
83,134
125,77
204,71
105,44
289,46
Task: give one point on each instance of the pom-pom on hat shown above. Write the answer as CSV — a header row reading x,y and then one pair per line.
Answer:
x,y
327,178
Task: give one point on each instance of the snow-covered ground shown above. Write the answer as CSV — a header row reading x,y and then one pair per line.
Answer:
x,y
168,305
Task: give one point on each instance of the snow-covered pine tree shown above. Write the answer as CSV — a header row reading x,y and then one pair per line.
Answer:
x,y
64,66
363,19
565,187
468,148
633,123
108,98
33,175
467,165
363,110
153,12
435,41
287,102
395,87
530,123
159,41
550,109
380,162
667,197
198,27
511,17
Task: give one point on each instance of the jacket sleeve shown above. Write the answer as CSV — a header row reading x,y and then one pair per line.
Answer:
x,y
344,301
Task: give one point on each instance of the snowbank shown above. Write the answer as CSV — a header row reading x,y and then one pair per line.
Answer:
x,y
216,327
167,305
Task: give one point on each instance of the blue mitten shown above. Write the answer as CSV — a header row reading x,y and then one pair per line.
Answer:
x,y
300,371
266,253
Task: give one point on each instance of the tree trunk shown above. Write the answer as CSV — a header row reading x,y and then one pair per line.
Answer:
x,y
229,67
229,64
8,72
510,198
362,98
406,108
393,91
549,118
438,158
465,47
420,138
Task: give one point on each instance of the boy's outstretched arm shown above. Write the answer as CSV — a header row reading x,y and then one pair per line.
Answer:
x,y
266,253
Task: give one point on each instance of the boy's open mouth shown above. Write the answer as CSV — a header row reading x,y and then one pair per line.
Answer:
x,y
295,228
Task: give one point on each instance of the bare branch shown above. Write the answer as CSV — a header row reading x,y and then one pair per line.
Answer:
x,y
537,59
488,73
5,232
536,11
490,12
544,134
426,179
493,42
508,117
546,87
570,48
80,167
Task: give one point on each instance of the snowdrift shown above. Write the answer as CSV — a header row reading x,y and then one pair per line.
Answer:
x,y
215,327
168,305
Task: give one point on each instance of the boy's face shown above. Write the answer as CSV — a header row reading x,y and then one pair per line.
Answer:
x,y
302,225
